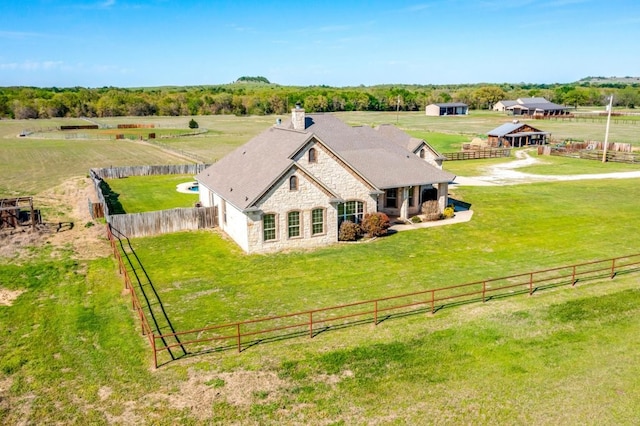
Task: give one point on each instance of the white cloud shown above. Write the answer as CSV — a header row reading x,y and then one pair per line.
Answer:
x,y
32,65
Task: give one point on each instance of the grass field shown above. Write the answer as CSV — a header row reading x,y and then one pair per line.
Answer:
x,y
72,352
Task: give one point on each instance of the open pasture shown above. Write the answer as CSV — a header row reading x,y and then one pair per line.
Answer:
x,y
72,351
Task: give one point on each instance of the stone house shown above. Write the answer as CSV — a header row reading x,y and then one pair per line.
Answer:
x,y
295,183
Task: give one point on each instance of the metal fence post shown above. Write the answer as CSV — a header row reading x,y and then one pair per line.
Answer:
x,y
613,267
153,348
238,330
433,301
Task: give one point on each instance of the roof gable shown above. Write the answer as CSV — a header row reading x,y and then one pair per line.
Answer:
x,y
242,175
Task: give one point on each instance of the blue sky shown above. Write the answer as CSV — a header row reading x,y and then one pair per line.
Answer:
x,y
133,43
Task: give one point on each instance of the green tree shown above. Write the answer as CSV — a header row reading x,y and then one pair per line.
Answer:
x,y
575,96
487,96
628,97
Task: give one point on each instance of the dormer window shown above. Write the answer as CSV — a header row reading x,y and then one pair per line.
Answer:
x,y
312,155
293,183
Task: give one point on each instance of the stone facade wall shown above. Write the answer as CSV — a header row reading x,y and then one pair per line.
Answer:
x,y
280,201
334,175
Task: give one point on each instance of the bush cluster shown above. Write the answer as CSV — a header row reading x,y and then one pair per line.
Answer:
x,y
376,224
448,212
431,210
349,231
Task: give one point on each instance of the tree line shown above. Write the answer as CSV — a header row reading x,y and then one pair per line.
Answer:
x,y
258,97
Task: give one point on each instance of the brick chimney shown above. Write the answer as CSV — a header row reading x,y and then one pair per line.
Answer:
x,y
297,117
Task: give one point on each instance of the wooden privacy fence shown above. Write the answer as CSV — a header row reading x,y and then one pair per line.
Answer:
x,y
476,154
156,222
243,334
168,169
163,221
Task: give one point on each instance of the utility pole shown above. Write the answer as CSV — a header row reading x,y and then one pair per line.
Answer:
x,y
606,132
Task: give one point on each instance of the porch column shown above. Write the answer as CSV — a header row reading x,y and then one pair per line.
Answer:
x,y
443,195
403,193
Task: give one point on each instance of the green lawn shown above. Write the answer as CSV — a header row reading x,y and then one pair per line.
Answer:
x,y
150,193
514,229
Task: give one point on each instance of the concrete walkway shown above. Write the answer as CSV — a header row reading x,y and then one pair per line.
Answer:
x,y
460,217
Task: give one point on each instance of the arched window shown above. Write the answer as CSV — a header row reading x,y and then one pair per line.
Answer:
x,y
293,183
352,211
422,153
312,155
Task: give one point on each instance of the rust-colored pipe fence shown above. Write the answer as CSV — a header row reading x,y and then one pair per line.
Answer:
x,y
243,334
135,303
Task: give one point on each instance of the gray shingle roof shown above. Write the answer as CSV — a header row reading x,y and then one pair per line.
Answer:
x,y
451,104
245,174
383,162
510,128
544,106
508,103
242,175
532,100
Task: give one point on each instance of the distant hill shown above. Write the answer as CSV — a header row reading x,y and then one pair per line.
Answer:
x,y
610,80
258,79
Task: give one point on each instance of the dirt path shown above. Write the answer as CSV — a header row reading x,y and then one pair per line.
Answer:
x,y
67,202
506,174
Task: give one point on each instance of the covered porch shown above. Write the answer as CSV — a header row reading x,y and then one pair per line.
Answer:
x,y
404,202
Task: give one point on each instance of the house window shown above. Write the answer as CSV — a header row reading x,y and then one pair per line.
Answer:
x,y
352,211
312,155
411,197
269,227
422,153
317,221
293,223
391,198
293,183
223,207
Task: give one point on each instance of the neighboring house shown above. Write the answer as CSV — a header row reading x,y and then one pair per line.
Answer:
x,y
502,105
295,183
516,134
451,108
536,107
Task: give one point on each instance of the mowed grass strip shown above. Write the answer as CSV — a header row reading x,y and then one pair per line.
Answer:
x,y
204,279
